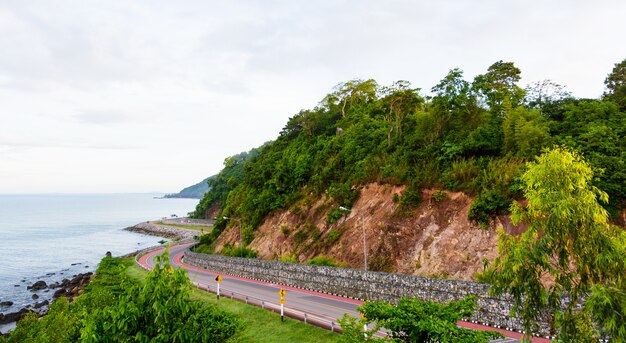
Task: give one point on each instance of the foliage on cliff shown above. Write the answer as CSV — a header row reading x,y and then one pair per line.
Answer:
x,y
469,136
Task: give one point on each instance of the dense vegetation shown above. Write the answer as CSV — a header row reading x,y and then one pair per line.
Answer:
x,y
469,136
117,308
476,137
196,191
569,242
414,320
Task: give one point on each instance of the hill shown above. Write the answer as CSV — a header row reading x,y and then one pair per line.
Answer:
x,y
418,172
196,191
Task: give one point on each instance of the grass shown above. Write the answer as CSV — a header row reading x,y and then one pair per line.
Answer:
x,y
263,326
206,229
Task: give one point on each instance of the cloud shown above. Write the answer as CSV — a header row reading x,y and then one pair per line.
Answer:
x,y
98,117
94,78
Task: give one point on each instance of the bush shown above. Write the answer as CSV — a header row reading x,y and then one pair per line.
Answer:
x,y
245,252
160,311
438,196
333,236
334,215
462,175
411,197
343,194
487,205
300,236
414,320
322,260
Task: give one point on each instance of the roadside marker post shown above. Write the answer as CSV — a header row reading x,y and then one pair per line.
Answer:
x,y
282,294
218,278
364,325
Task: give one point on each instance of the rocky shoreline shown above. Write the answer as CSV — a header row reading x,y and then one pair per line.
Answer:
x,y
168,232
71,288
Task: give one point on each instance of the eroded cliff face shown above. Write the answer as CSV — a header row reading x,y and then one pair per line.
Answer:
x,y
434,239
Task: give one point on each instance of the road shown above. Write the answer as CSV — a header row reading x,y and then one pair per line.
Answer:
x,y
315,308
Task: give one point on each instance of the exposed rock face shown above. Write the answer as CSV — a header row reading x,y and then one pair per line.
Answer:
x,y
434,239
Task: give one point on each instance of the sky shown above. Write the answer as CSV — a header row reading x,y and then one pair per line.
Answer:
x,y
124,96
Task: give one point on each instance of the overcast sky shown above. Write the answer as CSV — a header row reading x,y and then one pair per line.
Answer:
x,y
140,96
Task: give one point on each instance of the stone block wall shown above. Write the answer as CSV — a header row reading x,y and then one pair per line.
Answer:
x,y
365,285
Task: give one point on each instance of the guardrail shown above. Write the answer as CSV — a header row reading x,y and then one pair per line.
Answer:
x,y
291,312
294,313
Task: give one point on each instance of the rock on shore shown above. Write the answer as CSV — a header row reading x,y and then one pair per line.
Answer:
x,y
66,288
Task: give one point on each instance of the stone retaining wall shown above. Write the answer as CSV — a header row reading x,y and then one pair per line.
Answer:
x,y
365,285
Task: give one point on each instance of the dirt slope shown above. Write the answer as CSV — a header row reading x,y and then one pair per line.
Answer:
x,y
435,239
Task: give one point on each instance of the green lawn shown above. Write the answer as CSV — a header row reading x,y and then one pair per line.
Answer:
x,y
206,229
262,326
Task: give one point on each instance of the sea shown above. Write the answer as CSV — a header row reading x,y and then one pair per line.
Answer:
x,y
55,236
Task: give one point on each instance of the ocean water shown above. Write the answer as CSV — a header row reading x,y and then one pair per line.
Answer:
x,y
52,237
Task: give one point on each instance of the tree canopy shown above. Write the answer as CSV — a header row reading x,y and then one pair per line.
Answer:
x,y
568,248
470,135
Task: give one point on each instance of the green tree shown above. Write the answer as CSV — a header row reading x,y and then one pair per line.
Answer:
x,y
543,93
351,93
401,100
160,310
615,84
525,132
499,87
414,320
569,246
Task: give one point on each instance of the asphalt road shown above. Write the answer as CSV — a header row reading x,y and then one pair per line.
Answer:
x,y
316,308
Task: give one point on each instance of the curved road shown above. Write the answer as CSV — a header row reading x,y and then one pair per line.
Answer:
x,y
313,307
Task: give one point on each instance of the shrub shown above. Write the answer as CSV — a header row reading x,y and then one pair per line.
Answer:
x,y
414,320
343,194
439,196
411,197
487,205
461,175
333,236
334,215
300,236
245,252
322,260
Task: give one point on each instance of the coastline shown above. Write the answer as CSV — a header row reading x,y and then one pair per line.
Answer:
x,y
72,287
169,232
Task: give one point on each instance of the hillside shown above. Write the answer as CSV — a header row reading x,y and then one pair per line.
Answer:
x,y
431,177
196,191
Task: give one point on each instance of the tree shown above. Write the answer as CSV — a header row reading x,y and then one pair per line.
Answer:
x,y
569,246
499,87
455,105
615,84
352,92
525,132
401,100
414,320
543,93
